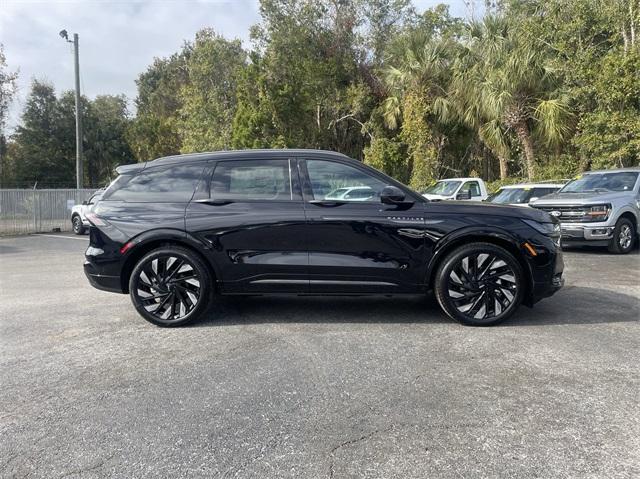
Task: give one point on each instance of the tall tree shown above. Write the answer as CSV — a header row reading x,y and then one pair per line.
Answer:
x,y
45,140
7,90
502,83
154,131
208,99
106,146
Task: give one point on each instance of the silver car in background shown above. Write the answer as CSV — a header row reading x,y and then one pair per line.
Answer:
x,y
600,208
523,194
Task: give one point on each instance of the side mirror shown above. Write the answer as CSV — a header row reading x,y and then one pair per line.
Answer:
x,y
392,195
535,198
463,195
84,203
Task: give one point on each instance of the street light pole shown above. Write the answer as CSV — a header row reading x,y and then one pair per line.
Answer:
x,y
79,173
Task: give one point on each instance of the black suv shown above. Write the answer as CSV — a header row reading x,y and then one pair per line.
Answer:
x,y
176,231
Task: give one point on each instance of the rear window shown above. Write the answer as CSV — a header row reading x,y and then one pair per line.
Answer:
x,y
173,184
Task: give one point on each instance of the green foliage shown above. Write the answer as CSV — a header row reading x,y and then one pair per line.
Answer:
x,y
208,99
7,87
42,149
537,88
388,155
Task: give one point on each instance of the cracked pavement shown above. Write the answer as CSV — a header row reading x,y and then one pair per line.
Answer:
x,y
315,387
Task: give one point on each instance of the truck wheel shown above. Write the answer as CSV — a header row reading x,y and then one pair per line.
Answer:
x,y
78,227
479,284
624,236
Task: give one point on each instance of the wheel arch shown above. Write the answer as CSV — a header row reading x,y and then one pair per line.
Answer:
x,y
142,248
499,239
631,217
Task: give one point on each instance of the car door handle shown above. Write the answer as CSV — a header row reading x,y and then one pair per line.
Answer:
x,y
327,203
212,202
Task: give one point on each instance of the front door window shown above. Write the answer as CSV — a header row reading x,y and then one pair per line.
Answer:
x,y
337,182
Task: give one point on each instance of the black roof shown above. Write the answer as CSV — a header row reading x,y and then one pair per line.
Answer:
x,y
236,155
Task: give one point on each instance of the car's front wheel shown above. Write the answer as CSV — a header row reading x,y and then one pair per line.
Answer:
x,y
624,235
76,224
171,286
479,284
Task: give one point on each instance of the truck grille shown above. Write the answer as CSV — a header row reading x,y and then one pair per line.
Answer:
x,y
575,214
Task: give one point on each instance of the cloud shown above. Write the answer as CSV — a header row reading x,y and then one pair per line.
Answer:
x,y
118,39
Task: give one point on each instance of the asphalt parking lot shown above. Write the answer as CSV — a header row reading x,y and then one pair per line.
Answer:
x,y
315,387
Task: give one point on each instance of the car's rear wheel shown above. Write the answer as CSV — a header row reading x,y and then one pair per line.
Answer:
x,y
170,286
624,235
76,224
479,284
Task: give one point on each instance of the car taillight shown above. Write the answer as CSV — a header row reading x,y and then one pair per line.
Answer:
x,y
95,219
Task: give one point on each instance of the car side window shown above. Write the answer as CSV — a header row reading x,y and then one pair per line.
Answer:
x,y
335,181
173,184
266,180
473,187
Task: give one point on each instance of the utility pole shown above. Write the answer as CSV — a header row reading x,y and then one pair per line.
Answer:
x,y
76,54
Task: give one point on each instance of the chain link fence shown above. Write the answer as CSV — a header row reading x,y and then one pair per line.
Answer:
x,y
36,211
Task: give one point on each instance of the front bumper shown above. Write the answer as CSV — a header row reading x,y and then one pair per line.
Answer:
x,y
591,233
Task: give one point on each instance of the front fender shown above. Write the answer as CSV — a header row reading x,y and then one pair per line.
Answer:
x,y
512,240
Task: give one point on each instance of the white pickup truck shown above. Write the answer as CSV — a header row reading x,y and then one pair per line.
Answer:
x,y
461,189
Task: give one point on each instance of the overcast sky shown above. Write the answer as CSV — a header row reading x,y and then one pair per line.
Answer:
x,y
118,38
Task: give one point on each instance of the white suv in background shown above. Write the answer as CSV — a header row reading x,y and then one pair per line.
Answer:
x,y
79,221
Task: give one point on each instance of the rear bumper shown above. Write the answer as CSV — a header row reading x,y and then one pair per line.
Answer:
x,y
101,281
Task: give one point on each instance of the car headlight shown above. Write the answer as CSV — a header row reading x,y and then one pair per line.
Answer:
x,y
547,229
598,213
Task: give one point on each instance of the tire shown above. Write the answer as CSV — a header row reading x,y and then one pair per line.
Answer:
x,y
77,226
171,286
624,235
465,286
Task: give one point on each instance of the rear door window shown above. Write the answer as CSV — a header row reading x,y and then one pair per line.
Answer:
x,y
252,180
174,184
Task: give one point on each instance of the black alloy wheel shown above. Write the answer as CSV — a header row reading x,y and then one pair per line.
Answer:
x,y
170,286
78,227
480,284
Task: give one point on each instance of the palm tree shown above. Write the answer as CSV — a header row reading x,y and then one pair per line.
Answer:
x,y
501,86
418,76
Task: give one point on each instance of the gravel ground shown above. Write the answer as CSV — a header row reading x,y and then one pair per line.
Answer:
x,y
315,387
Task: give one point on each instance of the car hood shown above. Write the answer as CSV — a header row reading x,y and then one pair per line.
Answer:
x,y
473,208
560,199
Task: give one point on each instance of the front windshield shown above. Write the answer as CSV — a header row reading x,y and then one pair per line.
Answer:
x,y
443,188
512,196
619,181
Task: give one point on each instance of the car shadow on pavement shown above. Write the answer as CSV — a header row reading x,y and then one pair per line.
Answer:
x,y
572,305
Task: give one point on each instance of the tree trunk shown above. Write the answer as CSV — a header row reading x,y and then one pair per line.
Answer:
x,y
524,135
504,169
